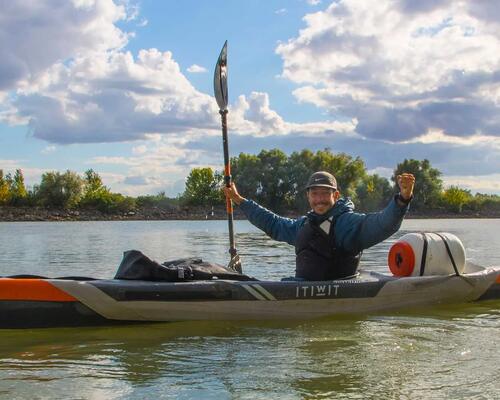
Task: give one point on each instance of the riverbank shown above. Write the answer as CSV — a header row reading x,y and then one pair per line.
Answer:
x,y
13,214
32,214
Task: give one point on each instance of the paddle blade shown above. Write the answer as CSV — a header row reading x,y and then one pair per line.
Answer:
x,y
235,264
220,79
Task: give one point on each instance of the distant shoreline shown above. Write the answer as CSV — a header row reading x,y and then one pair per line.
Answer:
x,y
34,214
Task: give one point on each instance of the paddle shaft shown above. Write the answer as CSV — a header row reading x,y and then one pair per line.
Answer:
x,y
227,181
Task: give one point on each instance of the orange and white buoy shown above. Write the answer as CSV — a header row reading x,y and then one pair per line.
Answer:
x,y
417,254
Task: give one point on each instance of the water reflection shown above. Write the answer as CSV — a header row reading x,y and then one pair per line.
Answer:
x,y
443,352
373,356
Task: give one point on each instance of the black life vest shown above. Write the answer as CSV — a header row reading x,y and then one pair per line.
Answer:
x,y
317,258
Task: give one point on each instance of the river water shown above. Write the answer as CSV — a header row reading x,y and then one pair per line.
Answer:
x,y
436,353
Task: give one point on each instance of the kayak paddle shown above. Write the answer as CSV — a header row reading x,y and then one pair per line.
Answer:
x,y
220,90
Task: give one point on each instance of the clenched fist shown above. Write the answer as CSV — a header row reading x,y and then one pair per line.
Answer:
x,y
406,182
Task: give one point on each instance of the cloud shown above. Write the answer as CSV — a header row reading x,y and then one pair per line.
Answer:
x,y
93,91
9,165
401,79
114,97
196,69
161,166
485,10
281,11
401,68
421,6
84,88
489,184
31,175
254,116
49,149
34,35
141,149
381,171
137,180
453,156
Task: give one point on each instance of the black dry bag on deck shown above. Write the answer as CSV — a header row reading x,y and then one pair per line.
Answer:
x,y
136,266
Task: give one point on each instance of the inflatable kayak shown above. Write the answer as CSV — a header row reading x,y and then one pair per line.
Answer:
x,y
36,302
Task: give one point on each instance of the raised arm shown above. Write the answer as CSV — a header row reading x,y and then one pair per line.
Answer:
x,y
355,232
277,227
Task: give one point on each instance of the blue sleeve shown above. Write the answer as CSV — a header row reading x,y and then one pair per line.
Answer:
x,y
278,228
355,232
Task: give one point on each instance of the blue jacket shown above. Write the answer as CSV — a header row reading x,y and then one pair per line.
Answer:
x,y
353,232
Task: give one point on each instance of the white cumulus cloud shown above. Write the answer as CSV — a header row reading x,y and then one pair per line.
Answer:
x,y
196,69
91,90
400,68
49,149
253,115
34,35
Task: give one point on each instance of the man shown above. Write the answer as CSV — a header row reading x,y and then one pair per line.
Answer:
x,y
329,240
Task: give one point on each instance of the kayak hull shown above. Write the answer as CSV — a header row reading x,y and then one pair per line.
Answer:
x,y
47,314
96,302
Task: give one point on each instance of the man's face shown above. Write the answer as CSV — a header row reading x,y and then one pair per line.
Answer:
x,y
321,199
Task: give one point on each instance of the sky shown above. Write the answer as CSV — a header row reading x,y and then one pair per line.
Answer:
x,y
126,87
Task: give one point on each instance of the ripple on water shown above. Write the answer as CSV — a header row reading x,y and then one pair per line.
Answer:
x,y
433,353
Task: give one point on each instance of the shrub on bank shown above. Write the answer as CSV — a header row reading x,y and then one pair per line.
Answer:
x,y
158,200
485,203
59,190
108,202
455,199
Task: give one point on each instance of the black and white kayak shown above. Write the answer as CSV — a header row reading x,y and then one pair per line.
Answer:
x,y
427,269
36,302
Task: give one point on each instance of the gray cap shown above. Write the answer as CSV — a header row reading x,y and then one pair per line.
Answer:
x,y
322,179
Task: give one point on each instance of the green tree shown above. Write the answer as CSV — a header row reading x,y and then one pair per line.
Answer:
x,y
428,183
300,166
264,178
110,203
92,182
278,182
203,187
373,193
18,193
158,200
348,171
95,194
455,198
246,172
99,197
60,190
274,183
489,203
4,189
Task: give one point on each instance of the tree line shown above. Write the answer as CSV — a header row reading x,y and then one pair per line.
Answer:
x,y
69,190
272,178
277,181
